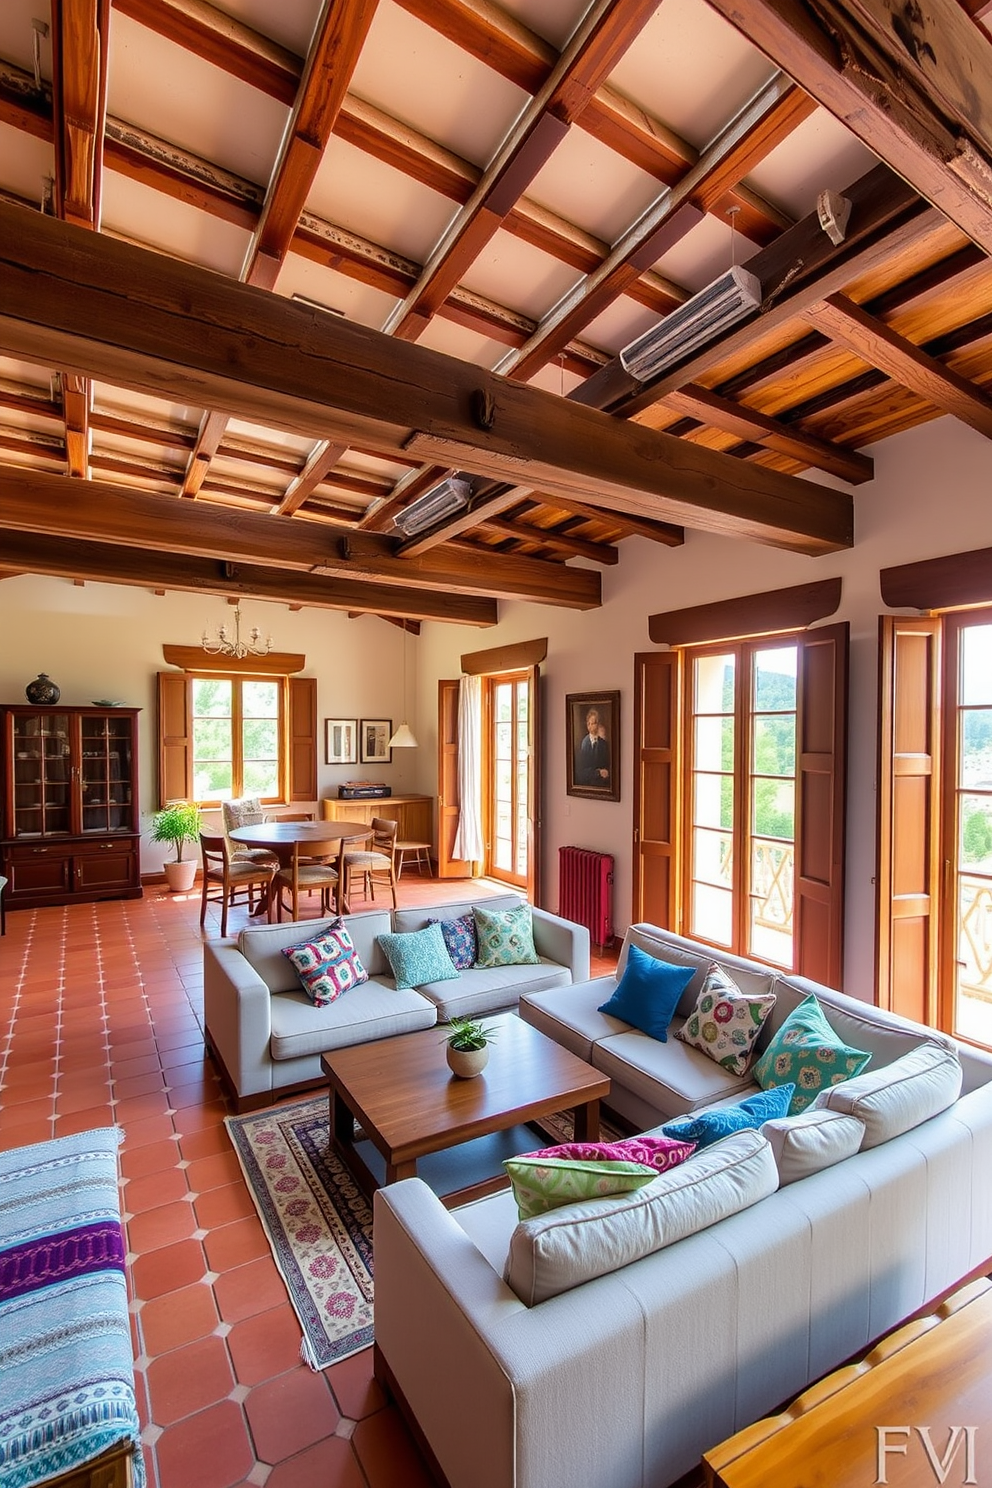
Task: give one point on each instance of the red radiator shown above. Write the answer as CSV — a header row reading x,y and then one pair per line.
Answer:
x,y
585,891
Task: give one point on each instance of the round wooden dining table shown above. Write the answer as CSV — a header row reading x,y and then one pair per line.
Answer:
x,y
281,836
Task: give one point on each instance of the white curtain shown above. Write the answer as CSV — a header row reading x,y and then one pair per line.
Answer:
x,y
469,844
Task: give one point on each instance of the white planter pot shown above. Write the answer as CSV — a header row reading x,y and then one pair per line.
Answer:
x,y
180,876
467,1063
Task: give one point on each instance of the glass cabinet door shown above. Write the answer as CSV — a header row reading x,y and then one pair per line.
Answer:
x,y
106,773
42,775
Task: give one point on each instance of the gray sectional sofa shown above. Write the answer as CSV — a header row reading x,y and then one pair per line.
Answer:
x,y
267,1036
613,1344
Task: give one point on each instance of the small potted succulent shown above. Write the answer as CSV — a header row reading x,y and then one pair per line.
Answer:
x,y
468,1043
178,823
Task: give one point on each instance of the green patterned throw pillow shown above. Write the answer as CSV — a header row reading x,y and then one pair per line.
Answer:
x,y
418,956
725,1021
542,1183
807,1053
505,937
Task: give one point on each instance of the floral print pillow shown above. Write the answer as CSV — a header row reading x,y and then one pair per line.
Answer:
x,y
327,965
807,1053
505,937
725,1021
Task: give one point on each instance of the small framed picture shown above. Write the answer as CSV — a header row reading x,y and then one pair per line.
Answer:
x,y
375,736
592,745
340,741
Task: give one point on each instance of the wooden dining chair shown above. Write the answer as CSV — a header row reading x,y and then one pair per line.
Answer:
x,y
375,862
226,875
246,812
313,865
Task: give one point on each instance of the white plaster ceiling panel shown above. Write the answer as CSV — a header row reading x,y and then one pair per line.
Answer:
x,y
142,451
618,324
364,464
353,190
26,374
250,474
291,23
691,69
419,76
586,183
25,162
170,92
359,302
142,215
278,442
707,250
458,341
555,379
555,20
134,405
163,486
17,35
821,155
515,274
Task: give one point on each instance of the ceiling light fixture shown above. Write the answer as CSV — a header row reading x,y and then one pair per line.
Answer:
x,y
451,495
225,644
700,320
403,738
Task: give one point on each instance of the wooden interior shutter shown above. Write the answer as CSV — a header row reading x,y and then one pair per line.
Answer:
x,y
821,802
908,867
535,776
656,788
448,801
302,731
175,753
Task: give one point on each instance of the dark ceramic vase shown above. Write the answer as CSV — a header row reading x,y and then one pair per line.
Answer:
x,y
42,690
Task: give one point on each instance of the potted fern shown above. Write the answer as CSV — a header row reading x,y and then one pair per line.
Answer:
x,y
468,1043
178,823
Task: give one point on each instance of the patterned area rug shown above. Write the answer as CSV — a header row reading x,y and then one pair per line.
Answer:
x,y
319,1223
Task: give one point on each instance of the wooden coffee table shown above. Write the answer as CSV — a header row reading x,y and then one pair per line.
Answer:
x,y
408,1102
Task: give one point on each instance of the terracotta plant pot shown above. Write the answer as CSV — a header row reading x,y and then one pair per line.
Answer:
x,y
467,1063
180,876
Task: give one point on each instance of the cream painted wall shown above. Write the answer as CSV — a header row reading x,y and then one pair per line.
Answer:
x,y
929,496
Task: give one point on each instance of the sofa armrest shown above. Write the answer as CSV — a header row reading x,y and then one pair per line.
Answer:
x,y
237,1017
562,941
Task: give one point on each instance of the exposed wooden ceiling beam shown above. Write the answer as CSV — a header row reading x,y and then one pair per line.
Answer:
x,y
112,310
913,82
113,564
882,347
34,502
669,535
223,40
564,542
320,462
598,42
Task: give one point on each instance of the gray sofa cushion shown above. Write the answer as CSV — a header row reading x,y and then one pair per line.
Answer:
x,y
811,1140
262,946
373,1010
900,1096
416,917
479,990
573,1019
672,1077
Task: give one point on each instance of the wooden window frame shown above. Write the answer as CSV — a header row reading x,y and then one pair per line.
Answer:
x,y
237,681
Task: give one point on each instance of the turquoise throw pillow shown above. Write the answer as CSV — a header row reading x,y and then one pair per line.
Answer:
x,y
806,1053
648,993
706,1127
505,937
418,956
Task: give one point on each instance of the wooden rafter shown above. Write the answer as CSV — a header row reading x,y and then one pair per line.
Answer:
x,y
564,542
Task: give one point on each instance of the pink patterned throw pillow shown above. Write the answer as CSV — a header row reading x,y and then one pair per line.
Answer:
x,y
659,1153
327,965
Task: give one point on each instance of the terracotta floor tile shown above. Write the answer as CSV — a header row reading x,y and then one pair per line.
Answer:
x,y
140,1130
78,1121
204,1143
189,1379
188,1037
168,1269
221,1206
214,1171
250,1289
330,1463
82,1097
24,1113
156,1228
355,1388
208,1450
141,1107
24,1136
178,1318
141,1064
138,1085
235,1244
154,1189
196,1118
184,1095
387,1454
138,1048
265,1345
289,1413
155,1157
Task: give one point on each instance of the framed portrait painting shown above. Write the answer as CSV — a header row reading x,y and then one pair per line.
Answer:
x,y
340,741
592,745
375,734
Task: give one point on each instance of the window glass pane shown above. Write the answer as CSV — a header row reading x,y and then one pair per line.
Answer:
x,y
712,914
773,744
714,744
212,781
212,696
260,699
504,702
774,674
712,858
975,832
211,738
766,939
713,691
523,700
772,882
974,958
976,665
773,808
260,778
976,748
712,800
260,739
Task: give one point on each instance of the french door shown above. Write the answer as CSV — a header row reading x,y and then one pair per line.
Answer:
x,y
509,776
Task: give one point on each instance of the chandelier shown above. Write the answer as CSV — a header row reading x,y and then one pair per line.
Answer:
x,y
225,644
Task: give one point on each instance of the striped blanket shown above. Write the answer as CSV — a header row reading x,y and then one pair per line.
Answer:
x,y
66,1370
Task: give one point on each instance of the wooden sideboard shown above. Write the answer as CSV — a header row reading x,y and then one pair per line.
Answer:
x,y
414,814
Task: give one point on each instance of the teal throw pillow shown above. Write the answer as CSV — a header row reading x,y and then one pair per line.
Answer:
x,y
648,993
542,1183
706,1127
418,956
806,1053
505,937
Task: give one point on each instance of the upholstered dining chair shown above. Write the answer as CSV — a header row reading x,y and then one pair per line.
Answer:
x,y
375,862
246,812
226,875
314,865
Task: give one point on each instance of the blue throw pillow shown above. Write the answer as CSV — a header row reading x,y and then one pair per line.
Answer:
x,y
648,993
417,956
706,1127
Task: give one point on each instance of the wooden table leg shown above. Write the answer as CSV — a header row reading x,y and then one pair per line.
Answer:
x,y
586,1119
342,1122
396,1171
